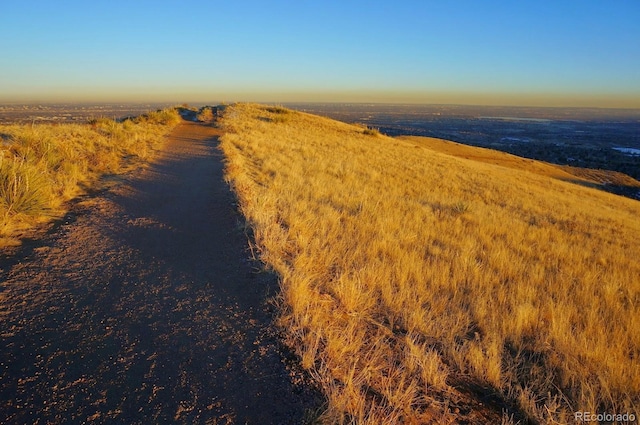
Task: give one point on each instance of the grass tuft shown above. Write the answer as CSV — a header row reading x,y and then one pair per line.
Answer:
x,y
22,189
278,110
370,131
205,114
460,208
166,117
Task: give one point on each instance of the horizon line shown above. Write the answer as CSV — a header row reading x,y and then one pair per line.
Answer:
x,y
212,102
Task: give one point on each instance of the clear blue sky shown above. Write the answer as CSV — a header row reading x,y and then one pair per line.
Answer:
x,y
506,52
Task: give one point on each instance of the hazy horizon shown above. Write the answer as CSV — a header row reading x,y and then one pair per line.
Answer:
x,y
300,100
566,54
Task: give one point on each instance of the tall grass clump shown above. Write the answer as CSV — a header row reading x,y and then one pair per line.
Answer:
x,y
205,114
370,131
42,166
22,188
419,287
169,116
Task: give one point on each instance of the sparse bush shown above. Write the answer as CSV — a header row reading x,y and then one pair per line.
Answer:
x,y
278,110
277,114
370,131
169,116
205,114
366,130
99,121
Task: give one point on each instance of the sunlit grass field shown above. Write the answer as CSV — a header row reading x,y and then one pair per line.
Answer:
x,y
43,166
584,176
421,287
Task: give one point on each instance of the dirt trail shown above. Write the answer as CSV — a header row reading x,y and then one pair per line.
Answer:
x,y
145,308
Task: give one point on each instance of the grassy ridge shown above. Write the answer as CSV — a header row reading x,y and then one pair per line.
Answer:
x,y
415,283
42,166
602,179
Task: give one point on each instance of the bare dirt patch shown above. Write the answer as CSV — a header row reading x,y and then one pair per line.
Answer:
x,y
144,307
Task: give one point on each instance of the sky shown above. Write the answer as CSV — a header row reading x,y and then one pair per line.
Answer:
x,y
538,53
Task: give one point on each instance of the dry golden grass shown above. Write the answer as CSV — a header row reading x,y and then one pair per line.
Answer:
x,y
415,283
584,176
43,166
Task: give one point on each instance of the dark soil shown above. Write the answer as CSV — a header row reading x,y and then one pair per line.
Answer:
x,y
145,307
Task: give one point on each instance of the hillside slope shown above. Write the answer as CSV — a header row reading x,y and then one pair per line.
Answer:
x,y
420,287
612,181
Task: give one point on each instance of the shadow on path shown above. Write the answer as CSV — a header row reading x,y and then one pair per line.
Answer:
x,y
146,309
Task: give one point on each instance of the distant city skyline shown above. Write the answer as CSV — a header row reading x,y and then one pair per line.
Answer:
x,y
564,53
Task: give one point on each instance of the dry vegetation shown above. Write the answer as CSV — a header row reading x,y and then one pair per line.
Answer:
x,y
42,166
584,176
205,114
417,284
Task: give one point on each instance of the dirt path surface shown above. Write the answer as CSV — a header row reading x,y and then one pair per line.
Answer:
x,y
145,308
